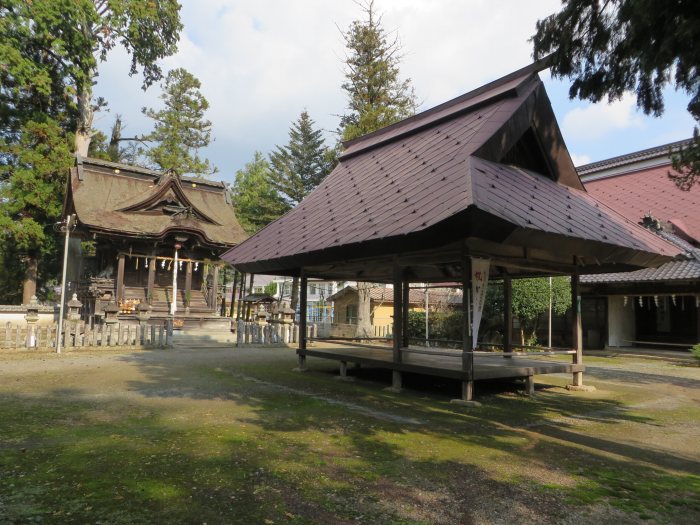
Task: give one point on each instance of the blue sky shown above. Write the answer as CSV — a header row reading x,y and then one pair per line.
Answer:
x,y
262,62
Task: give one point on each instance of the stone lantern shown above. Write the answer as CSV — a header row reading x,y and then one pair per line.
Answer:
x,y
32,317
286,314
74,306
143,313
261,316
111,312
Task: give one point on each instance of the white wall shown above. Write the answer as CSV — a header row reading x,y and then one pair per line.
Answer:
x,y
621,321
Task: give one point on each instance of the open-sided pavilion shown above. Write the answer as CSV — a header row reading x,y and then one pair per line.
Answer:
x,y
484,176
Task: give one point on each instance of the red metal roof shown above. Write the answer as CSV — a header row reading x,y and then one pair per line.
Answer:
x,y
650,191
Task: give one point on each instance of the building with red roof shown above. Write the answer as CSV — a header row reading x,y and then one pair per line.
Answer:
x,y
654,306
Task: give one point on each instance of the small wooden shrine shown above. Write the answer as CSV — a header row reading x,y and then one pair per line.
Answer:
x,y
149,238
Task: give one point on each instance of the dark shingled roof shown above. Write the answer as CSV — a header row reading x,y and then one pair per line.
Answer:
x,y
451,162
119,199
687,269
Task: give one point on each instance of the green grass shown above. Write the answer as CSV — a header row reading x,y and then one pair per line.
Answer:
x,y
222,444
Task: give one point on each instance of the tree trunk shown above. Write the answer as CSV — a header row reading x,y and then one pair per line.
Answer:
x,y
30,276
294,300
83,131
364,310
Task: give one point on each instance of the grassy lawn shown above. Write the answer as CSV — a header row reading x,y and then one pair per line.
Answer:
x,y
226,435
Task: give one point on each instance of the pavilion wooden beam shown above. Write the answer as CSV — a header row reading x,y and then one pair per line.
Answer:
x,y
576,328
507,316
404,311
398,325
303,290
467,346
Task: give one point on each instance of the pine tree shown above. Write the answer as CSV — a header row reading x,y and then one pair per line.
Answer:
x,y
610,47
377,97
255,200
180,128
301,164
298,167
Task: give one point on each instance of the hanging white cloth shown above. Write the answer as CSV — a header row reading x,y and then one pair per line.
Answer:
x,y
480,281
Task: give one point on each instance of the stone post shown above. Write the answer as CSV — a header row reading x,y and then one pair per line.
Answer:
x,y
32,317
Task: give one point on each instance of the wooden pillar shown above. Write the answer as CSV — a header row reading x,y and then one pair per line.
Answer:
x,y
467,347
236,278
576,328
151,278
507,316
250,291
188,282
404,313
302,310
398,334
214,289
120,277
240,297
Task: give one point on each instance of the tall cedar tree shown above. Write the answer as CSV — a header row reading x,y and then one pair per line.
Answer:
x,y
180,128
608,47
377,97
255,200
299,166
50,51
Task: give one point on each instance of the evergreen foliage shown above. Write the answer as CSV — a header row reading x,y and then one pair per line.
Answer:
x,y
377,96
255,200
180,128
531,300
301,164
30,201
613,46
49,53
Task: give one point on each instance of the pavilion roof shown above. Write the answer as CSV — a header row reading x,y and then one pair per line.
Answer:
x,y
488,170
122,200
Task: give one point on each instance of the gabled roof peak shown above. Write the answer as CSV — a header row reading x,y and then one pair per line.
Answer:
x,y
500,88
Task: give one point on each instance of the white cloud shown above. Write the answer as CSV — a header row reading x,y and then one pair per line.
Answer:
x,y
595,121
580,160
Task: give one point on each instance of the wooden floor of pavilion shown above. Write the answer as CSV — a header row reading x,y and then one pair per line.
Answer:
x,y
488,365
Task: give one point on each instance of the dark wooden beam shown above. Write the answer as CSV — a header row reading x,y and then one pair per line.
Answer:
x,y
303,289
576,328
507,314
467,346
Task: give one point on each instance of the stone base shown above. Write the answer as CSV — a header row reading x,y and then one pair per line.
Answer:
x,y
348,379
582,388
393,390
464,403
298,369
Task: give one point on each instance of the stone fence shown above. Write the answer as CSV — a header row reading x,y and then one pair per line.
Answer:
x,y
33,326
78,334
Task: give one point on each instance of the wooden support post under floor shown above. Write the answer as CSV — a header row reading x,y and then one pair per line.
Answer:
x,y
398,334
577,334
507,317
303,288
467,394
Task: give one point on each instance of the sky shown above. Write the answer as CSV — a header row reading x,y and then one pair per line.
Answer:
x,y
262,62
